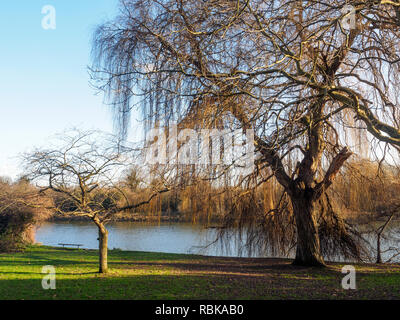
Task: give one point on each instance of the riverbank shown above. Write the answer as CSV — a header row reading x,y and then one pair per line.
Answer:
x,y
121,218
144,275
351,217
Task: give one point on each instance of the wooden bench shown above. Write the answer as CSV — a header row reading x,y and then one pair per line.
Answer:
x,y
70,245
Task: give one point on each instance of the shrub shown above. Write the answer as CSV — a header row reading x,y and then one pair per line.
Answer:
x,y
21,207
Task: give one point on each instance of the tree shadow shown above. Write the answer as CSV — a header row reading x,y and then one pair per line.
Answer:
x,y
185,286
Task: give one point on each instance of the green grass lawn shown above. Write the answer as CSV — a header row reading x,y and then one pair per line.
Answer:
x,y
143,275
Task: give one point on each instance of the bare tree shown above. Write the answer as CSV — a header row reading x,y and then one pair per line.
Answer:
x,y
293,71
84,171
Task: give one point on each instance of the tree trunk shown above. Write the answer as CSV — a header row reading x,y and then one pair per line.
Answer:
x,y
379,234
308,252
378,249
103,249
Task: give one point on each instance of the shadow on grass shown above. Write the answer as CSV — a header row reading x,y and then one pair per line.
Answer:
x,y
180,287
239,266
109,287
147,275
42,274
60,257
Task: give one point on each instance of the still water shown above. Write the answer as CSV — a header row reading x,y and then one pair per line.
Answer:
x,y
134,236
164,237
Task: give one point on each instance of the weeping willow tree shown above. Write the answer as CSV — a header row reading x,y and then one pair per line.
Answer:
x,y
294,72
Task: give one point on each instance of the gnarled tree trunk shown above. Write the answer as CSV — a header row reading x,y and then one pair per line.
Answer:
x,y
308,252
304,195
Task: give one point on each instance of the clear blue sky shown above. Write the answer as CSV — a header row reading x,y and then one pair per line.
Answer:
x,y
43,74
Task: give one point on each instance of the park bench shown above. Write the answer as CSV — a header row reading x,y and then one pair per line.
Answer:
x,y
70,245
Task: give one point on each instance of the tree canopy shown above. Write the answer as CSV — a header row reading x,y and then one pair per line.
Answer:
x,y
302,74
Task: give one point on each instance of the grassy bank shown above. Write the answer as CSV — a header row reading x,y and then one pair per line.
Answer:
x,y
141,275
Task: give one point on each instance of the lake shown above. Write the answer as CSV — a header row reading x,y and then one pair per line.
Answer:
x,y
134,236
164,237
